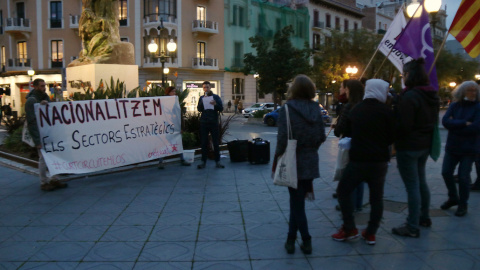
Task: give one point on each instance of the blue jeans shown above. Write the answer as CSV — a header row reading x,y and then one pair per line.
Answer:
x,y
411,165
298,218
465,162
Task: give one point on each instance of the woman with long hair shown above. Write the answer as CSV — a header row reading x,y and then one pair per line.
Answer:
x,y
462,120
308,129
417,114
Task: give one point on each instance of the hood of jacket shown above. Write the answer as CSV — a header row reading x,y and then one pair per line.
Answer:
x,y
307,109
377,89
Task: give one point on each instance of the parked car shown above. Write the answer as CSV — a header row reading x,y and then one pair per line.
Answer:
x,y
247,112
272,117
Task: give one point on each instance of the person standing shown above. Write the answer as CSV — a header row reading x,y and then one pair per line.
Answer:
x,y
417,115
235,103
171,91
38,95
462,120
372,131
209,124
309,131
229,105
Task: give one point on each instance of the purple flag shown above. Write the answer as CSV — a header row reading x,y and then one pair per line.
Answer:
x,y
416,41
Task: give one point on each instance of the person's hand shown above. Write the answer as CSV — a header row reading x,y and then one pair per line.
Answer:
x,y
43,102
469,123
213,102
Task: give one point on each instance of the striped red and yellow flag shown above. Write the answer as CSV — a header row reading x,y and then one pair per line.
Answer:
x,y
466,26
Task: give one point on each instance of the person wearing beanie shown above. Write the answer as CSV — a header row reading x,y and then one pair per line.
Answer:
x,y
372,131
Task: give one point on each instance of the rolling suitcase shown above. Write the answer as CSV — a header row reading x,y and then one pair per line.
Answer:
x,y
238,150
258,151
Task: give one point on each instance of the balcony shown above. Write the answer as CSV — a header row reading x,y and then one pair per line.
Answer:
x,y
18,64
318,24
154,21
205,63
154,62
381,32
74,19
18,27
207,27
265,33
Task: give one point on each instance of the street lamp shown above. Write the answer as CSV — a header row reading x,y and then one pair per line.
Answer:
x,y
351,71
431,6
256,76
30,73
452,84
153,48
477,77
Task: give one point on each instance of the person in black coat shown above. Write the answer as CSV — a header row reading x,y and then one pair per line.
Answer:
x,y
372,132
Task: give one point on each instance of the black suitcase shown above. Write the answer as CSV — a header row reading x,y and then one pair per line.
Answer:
x,y
238,150
259,151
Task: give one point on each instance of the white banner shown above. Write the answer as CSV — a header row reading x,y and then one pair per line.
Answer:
x,y
94,135
395,56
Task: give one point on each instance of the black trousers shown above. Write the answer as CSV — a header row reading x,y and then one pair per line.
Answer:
x,y
373,173
213,129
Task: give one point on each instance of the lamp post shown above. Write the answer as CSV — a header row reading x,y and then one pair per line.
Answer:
x,y
256,76
153,48
351,71
30,73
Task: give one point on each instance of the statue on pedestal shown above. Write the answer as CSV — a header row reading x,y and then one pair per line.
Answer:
x,y
98,28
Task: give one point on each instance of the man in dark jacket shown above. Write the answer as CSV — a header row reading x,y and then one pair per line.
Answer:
x,y
38,95
372,125
209,123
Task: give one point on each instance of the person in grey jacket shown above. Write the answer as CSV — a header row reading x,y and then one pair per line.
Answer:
x,y
309,131
38,95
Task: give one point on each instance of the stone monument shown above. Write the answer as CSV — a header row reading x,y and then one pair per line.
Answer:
x,y
103,55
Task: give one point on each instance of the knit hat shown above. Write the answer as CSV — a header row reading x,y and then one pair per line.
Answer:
x,y
377,89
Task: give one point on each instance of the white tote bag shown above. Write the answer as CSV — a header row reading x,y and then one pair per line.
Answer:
x,y
26,138
286,170
342,157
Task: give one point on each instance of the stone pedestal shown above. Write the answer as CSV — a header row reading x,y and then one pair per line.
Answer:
x,y
90,75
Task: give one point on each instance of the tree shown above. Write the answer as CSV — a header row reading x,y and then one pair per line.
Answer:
x,y
277,63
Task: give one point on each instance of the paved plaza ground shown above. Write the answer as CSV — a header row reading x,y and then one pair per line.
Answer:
x,y
232,218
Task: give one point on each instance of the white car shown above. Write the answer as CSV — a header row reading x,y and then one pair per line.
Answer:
x,y
247,112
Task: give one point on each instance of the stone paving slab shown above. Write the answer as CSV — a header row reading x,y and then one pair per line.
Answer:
x,y
183,218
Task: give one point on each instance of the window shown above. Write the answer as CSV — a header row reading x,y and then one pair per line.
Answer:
x,y
355,26
201,13
124,39
238,15
261,24
2,58
278,24
316,16
1,22
20,10
337,23
56,14
238,53
122,12
328,20
57,53
300,30
316,42
379,25
201,52
345,26
238,88
154,10
22,51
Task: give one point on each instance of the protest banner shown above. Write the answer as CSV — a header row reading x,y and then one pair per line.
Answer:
x,y
93,135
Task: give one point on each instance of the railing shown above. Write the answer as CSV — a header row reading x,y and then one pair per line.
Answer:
x,y
57,63
74,19
19,62
56,23
200,24
205,63
18,22
318,24
154,20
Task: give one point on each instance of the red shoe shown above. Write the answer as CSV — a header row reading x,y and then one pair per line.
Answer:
x,y
369,238
343,235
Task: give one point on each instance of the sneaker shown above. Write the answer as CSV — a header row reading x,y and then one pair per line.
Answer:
x,y
369,238
425,222
446,205
306,246
58,184
201,166
47,187
461,211
220,165
343,235
404,230
290,246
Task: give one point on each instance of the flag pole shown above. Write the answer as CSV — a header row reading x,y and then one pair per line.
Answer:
x,y
438,53
369,62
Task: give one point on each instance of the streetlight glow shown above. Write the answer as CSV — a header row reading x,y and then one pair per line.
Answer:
x,y
166,70
477,76
31,72
430,6
452,84
152,47
171,46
